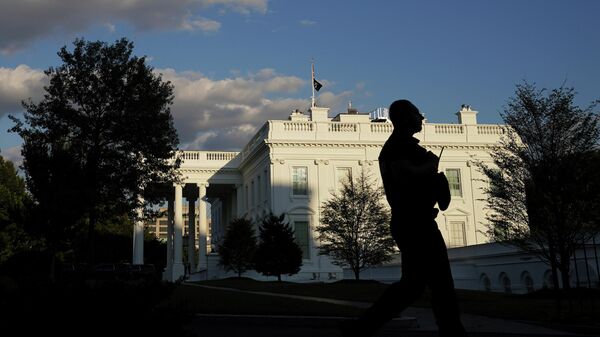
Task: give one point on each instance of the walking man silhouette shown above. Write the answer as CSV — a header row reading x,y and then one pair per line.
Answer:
x,y
413,186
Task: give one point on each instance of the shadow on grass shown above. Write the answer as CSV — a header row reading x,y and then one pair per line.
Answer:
x,y
107,308
577,306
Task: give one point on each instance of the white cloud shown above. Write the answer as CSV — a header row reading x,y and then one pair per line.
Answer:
x,y
111,28
13,154
308,23
215,114
203,24
18,84
22,22
223,114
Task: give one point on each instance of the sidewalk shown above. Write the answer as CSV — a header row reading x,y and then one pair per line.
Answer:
x,y
414,321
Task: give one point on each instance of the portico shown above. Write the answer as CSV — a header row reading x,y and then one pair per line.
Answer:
x,y
206,176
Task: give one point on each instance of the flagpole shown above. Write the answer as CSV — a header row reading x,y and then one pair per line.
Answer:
x,y
312,83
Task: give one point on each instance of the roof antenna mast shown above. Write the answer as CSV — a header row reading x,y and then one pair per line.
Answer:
x,y
312,82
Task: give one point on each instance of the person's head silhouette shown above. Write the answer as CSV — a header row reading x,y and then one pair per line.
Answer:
x,y
406,117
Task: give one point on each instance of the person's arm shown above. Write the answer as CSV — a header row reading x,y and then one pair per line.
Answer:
x,y
429,166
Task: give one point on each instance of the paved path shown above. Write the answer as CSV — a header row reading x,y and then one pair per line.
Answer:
x,y
415,322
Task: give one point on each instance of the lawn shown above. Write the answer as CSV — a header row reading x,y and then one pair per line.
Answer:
x,y
579,306
189,298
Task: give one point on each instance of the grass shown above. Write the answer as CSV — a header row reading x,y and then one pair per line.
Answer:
x,y
189,298
580,306
362,291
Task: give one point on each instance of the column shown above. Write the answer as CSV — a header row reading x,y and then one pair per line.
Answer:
x,y
202,262
192,234
239,188
138,234
170,218
178,268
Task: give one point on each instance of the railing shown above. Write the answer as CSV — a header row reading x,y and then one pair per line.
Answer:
x,y
220,155
342,127
382,128
449,128
490,130
297,126
259,137
208,155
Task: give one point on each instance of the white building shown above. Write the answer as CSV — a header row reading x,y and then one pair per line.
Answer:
x,y
292,166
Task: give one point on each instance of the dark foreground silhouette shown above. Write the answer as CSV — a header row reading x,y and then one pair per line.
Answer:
x,y
413,187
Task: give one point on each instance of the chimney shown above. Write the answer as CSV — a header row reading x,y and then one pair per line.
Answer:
x,y
351,110
466,115
318,114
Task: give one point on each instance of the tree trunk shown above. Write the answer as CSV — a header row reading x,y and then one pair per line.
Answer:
x,y
278,277
53,267
91,238
554,268
555,283
357,274
564,269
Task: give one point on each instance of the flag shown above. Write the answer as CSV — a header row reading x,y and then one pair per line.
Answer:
x,y
316,84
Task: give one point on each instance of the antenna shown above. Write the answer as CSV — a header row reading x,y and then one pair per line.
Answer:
x,y
312,83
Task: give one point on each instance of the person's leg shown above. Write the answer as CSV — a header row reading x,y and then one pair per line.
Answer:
x,y
394,300
443,296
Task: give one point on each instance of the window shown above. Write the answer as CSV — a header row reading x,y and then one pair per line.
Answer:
x,y
453,176
343,174
457,234
259,190
301,237
527,282
300,181
253,193
505,282
548,283
266,186
486,283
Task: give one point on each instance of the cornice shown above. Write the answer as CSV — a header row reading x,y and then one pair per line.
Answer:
x,y
309,144
210,171
250,155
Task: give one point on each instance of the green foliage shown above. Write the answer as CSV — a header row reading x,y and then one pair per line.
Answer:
x,y
14,202
277,253
102,135
236,252
544,182
354,229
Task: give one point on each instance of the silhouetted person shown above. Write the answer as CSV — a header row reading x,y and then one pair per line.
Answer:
x,y
412,187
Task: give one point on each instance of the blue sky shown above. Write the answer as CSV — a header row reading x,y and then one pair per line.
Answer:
x,y
237,63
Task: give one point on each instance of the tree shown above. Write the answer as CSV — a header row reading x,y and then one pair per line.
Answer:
x,y
544,182
277,252
355,224
236,252
14,202
102,133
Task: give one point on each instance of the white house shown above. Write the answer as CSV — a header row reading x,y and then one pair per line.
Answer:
x,y
292,166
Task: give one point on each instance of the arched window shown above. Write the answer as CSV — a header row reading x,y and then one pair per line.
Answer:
x,y
485,282
527,282
505,282
548,284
